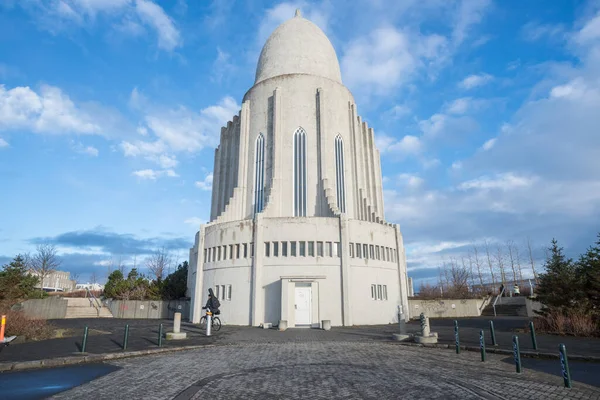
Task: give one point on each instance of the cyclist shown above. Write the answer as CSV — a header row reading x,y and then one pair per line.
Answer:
x,y
213,303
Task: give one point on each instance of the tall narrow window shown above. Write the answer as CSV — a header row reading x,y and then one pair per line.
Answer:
x,y
300,173
339,173
259,173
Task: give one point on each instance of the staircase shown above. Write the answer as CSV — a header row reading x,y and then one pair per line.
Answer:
x,y
507,307
83,308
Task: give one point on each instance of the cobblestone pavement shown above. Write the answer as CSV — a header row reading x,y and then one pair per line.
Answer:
x,y
324,370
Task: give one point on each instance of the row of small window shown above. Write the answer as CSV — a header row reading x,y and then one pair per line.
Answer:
x,y
303,249
374,252
379,292
229,252
223,292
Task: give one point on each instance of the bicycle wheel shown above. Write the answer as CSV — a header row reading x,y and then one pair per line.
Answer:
x,y
203,322
216,323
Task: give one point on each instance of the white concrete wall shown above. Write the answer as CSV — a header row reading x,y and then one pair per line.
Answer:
x,y
447,308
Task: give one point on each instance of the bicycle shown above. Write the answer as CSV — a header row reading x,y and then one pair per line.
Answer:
x,y
215,322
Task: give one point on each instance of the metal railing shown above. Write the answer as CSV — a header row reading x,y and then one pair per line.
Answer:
x,y
94,302
496,300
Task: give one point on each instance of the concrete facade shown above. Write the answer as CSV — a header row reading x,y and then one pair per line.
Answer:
x,y
290,213
448,308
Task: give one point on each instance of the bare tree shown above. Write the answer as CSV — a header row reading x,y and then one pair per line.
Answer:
x,y
532,261
44,262
518,258
93,277
459,279
489,259
75,276
159,262
462,259
500,261
477,264
510,246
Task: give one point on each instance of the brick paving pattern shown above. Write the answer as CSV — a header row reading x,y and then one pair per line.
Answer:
x,y
324,370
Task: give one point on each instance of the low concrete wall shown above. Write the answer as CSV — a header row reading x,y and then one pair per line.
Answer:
x,y
48,308
447,308
532,307
148,309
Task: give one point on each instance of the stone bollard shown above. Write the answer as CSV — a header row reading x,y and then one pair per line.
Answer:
x,y
326,324
426,336
176,334
177,323
283,325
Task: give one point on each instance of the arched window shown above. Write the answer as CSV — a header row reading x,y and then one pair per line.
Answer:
x,y
259,173
339,173
300,173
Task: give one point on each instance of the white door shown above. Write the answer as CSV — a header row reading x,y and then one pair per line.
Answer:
x,y
303,305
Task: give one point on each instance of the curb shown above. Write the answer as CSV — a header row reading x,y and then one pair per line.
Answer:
x,y
528,354
89,358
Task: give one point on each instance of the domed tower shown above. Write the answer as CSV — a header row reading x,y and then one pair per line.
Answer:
x,y
297,231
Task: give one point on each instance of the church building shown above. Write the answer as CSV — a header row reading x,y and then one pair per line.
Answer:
x,y
297,230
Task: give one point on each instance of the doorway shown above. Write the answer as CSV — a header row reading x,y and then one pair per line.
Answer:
x,y
303,305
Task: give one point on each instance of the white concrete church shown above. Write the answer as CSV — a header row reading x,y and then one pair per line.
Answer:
x,y
297,230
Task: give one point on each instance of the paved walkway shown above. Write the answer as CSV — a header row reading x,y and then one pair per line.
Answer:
x,y
106,336
323,370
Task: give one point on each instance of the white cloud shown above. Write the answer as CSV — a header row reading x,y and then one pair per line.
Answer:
x,y
473,81
154,174
470,13
206,184
411,181
3,143
193,221
82,149
456,165
504,181
489,144
49,111
459,106
175,130
590,31
407,146
153,15
387,58
533,31
131,16
398,111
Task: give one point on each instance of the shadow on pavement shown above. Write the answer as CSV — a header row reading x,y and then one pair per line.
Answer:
x,y
584,372
40,384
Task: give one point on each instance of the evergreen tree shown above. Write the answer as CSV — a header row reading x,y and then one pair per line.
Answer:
x,y
589,271
15,281
559,287
175,285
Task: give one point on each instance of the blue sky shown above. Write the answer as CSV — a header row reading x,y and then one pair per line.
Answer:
x,y
485,113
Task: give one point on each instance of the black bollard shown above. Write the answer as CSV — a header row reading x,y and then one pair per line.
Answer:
x,y
125,337
482,345
564,364
456,338
517,353
533,339
493,334
160,331
84,342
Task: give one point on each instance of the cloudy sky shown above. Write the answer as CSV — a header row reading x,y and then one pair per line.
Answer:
x,y
486,113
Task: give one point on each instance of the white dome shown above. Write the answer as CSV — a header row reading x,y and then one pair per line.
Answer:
x,y
298,47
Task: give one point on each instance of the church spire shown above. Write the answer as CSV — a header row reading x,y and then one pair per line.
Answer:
x,y
298,13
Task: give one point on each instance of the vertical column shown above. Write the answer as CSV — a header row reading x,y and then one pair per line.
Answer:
x,y
222,171
257,293
367,164
228,163
353,180
373,171
345,269
379,189
401,265
243,167
198,279
214,205
321,156
277,181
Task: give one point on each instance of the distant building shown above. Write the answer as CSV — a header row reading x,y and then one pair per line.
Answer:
x,y
57,281
90,286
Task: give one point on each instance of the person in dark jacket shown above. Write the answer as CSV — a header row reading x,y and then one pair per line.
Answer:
x,y
213,303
